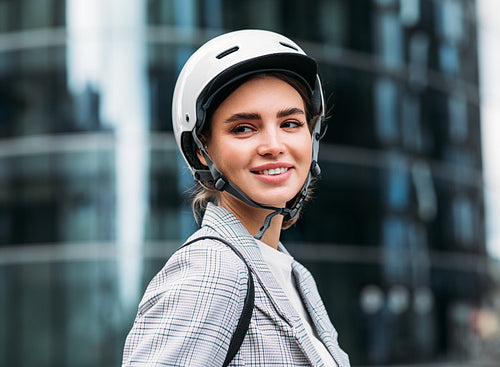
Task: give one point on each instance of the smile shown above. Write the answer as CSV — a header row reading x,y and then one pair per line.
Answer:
x,y
273,171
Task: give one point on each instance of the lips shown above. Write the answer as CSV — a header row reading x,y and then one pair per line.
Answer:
x,y
272,171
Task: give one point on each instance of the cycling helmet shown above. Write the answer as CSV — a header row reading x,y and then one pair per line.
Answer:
x,y
216,69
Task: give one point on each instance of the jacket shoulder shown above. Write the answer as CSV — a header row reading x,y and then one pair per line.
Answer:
x,y
192,304
207,265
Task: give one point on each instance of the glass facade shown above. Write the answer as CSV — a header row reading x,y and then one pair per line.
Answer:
x,y
94,197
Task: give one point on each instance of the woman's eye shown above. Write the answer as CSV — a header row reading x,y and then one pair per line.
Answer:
x,y
292,124
240,129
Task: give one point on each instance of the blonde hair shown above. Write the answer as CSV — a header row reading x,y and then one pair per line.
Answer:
x,y
204,192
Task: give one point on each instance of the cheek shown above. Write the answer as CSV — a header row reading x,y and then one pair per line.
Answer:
x,y
229,155
304,147
304,155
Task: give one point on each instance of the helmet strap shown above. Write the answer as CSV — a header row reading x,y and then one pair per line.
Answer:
x,y
221,183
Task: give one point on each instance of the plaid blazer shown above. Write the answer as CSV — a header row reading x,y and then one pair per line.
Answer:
x,y
191,307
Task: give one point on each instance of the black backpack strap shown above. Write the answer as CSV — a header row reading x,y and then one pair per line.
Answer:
x,y
246,314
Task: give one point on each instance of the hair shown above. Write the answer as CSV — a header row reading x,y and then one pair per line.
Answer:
x,y
204,192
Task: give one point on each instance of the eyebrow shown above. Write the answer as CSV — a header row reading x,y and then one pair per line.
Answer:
x,y
290,111
243,116
256,116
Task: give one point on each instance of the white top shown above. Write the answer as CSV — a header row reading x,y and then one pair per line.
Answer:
x,y
281,267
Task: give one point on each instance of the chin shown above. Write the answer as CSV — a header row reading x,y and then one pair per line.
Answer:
x,y
277,199
274,202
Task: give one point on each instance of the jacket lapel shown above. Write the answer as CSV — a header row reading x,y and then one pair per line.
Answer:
x,y
229,227
314,305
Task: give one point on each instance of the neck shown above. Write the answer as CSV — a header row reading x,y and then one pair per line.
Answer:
x,y
253,218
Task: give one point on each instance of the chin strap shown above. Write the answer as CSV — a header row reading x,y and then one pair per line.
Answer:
x,y
221,183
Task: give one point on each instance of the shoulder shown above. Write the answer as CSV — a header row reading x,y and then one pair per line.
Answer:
x,y
207,257
192,304
205,265
209,250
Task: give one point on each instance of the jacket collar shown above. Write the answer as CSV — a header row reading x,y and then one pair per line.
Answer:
x,y
229,227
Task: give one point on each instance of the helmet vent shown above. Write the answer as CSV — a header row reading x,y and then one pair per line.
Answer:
x,y
227,52
289,46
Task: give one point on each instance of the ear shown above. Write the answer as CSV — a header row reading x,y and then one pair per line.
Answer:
x,y
201,158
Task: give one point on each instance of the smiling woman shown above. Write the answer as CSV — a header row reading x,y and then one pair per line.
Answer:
x,y
247,113
259,140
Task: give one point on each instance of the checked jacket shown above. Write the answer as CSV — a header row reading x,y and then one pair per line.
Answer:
x,y
191,307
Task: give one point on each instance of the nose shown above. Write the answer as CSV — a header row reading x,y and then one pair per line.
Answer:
x,y
271,143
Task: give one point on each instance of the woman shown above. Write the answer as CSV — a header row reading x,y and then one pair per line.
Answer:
x,y
247,114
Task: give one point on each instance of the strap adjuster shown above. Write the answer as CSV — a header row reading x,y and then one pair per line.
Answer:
x,y
220,183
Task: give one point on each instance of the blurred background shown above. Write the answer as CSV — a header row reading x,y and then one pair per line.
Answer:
x,y
94,197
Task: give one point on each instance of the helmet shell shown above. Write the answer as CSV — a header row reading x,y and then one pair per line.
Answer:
x,y
221,62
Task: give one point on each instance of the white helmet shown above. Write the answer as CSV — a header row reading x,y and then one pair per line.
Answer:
x,y
207,78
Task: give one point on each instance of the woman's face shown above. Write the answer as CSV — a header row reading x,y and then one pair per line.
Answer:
x,y
261,142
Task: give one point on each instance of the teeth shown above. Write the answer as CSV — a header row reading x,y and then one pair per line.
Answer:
x,y
273,171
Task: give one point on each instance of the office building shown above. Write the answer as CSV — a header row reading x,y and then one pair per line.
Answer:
x,y
94,197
